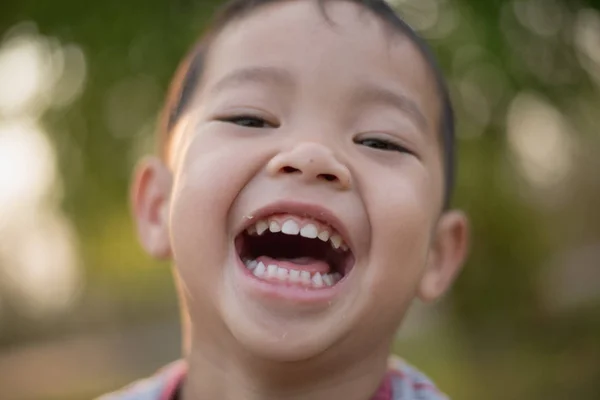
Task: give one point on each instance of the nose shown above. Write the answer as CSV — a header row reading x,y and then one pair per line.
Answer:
x,y
311,162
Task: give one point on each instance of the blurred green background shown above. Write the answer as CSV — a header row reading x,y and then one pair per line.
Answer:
x,y
83,310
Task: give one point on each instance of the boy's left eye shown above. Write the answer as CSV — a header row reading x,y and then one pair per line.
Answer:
x,y
382,144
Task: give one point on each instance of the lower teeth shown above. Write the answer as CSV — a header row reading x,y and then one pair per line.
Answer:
x,y
303,278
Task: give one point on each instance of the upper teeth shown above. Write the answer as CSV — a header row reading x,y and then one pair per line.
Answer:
x,y
274,227
289,227
308,229
261,227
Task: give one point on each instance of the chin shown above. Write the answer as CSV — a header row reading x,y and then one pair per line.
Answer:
x,y
283,338
279,348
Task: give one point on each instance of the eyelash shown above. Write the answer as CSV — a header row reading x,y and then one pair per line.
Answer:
x,y
248,121
383,145
251,121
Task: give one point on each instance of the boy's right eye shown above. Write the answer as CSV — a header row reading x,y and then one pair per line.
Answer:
x,y
248,121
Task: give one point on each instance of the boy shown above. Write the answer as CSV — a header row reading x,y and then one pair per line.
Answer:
x,y
302,194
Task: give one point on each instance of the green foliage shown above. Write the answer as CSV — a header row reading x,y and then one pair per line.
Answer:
x,y
505,337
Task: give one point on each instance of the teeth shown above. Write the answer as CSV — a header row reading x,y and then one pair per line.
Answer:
x,y
261,227
324,236
282,274
251,264
260,270
336,241
294,275
272,271
317,280
274,227
305,277
290,228
309,231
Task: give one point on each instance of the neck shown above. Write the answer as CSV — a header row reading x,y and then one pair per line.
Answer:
x,y
213,374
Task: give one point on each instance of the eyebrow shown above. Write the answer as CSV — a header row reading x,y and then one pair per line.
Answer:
x,y
264,75
376,94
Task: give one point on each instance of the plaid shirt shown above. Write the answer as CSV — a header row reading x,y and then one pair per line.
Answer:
x,y
402,382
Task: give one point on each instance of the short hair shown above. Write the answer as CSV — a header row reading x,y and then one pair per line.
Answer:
x,y
190,71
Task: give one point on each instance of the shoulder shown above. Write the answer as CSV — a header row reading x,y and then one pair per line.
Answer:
x,y
408,383
161,386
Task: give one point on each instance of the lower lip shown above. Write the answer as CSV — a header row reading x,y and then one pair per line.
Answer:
x,y
282,291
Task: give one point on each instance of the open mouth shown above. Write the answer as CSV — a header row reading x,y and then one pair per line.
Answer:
x,y
291,250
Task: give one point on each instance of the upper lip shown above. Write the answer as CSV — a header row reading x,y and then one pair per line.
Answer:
x,y
307,210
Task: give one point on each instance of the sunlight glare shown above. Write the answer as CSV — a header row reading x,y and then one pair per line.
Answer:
x,y
540,138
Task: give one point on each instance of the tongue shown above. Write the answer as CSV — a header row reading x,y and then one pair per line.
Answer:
x,y
309,264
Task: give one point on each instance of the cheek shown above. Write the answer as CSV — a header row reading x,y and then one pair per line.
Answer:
x,y
205,187
401,218
402,215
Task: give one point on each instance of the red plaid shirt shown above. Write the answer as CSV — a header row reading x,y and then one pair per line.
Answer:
x,y
402,382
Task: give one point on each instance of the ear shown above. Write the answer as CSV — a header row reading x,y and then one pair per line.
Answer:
x,y
447,255
150,192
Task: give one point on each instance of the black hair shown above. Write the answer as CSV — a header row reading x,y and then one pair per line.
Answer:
x,y
190,71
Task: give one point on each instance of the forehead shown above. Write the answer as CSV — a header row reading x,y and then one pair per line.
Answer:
x,y
342,46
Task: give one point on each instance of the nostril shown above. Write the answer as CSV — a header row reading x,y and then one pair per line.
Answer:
x,y
289,170
328,177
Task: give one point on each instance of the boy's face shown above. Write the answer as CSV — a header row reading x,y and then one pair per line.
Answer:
x,y
334,127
